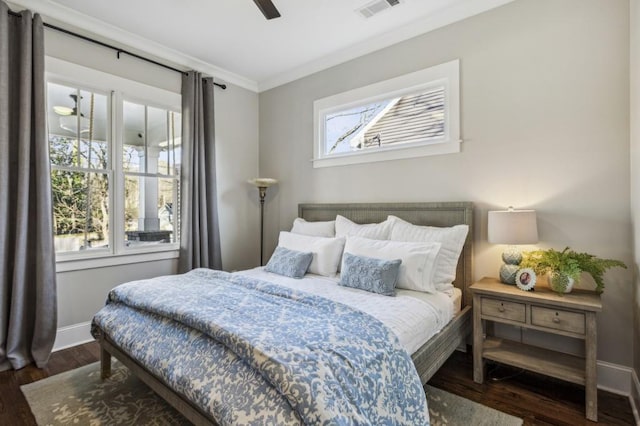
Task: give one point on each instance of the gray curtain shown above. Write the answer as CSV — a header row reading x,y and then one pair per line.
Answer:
x,y
28,315
199,231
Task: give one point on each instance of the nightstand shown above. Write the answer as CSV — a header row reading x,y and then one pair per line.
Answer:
x,y
572,315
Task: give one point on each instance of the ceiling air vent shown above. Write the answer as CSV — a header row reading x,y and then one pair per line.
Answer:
x,y
375,7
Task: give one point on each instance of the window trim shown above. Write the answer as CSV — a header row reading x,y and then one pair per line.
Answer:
x,y
62,72
446,74
92,260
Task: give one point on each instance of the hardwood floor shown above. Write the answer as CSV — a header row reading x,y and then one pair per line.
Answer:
x,y
14,409
536,399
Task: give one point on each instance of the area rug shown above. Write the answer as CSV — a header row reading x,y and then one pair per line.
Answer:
x,y
80,397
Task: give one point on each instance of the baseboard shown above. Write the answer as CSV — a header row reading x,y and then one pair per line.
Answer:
x,y
634,398
614,378
72,335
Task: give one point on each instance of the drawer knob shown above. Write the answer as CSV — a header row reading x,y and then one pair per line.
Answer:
x,y
556,319
501,308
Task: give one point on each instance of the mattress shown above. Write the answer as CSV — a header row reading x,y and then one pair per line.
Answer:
x,y
414,317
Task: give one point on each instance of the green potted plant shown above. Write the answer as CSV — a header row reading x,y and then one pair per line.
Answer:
x,y
564,267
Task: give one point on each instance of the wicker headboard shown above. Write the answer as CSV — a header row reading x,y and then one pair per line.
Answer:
x,y
433,214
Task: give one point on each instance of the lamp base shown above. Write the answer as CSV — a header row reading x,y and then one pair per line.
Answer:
x,y
508,273
512,255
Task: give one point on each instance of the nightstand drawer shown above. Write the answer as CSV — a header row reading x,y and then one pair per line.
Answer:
x,y
573,322
503,309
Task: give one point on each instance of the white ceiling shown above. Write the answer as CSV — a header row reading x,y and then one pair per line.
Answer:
x,y
231,40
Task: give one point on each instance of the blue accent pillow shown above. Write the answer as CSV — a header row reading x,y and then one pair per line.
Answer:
x,y
290,263
370,274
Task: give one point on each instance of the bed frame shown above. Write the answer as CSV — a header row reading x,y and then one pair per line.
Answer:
x,y
427,359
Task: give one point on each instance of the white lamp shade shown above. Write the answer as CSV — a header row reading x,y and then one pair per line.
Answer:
x,y
512,227
262,182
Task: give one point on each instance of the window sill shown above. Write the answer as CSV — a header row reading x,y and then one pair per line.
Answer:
x,y
100,260
397,153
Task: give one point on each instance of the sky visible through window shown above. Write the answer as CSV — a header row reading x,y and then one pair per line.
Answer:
x,y
343,125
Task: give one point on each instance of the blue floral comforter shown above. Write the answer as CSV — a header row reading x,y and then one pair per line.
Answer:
x,y
288,356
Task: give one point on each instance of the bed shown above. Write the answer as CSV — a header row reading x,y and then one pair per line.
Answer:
x,y
428,358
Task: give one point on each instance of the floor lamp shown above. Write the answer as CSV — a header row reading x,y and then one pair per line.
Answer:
x,y
262,184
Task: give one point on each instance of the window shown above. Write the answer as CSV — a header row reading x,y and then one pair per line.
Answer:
x,y
413,115
151,167
80,168
115,163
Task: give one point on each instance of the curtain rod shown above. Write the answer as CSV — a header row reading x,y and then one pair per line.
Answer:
x,y
118,50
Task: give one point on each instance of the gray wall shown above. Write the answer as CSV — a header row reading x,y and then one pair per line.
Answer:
x,y
82,293
545,123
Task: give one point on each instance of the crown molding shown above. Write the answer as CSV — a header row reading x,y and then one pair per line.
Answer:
x,y
462,9
91,26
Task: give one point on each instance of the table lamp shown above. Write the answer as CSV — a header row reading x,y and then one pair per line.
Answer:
x,y
512,227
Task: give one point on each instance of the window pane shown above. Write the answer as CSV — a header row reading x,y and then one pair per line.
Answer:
x,y
412,118
61,109
150,216
80,210
170,148
134,137
63,150
157,141
78,127
94,129
175,128
343,125
168,206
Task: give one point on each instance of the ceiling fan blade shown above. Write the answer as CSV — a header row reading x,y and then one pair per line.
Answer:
x,y
267,8
64,110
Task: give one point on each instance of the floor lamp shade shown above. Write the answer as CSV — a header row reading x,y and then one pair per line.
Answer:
x,y
262,184
512,227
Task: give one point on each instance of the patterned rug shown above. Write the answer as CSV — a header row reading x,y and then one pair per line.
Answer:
x,y
79,397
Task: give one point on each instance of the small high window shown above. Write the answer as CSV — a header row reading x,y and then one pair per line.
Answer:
x,y
412,115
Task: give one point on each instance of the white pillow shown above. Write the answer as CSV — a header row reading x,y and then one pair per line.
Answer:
x,y
418,259
315,229
451,238
327,252
375,231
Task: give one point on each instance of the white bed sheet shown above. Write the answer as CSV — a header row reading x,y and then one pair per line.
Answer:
x,y
413,316
456,298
